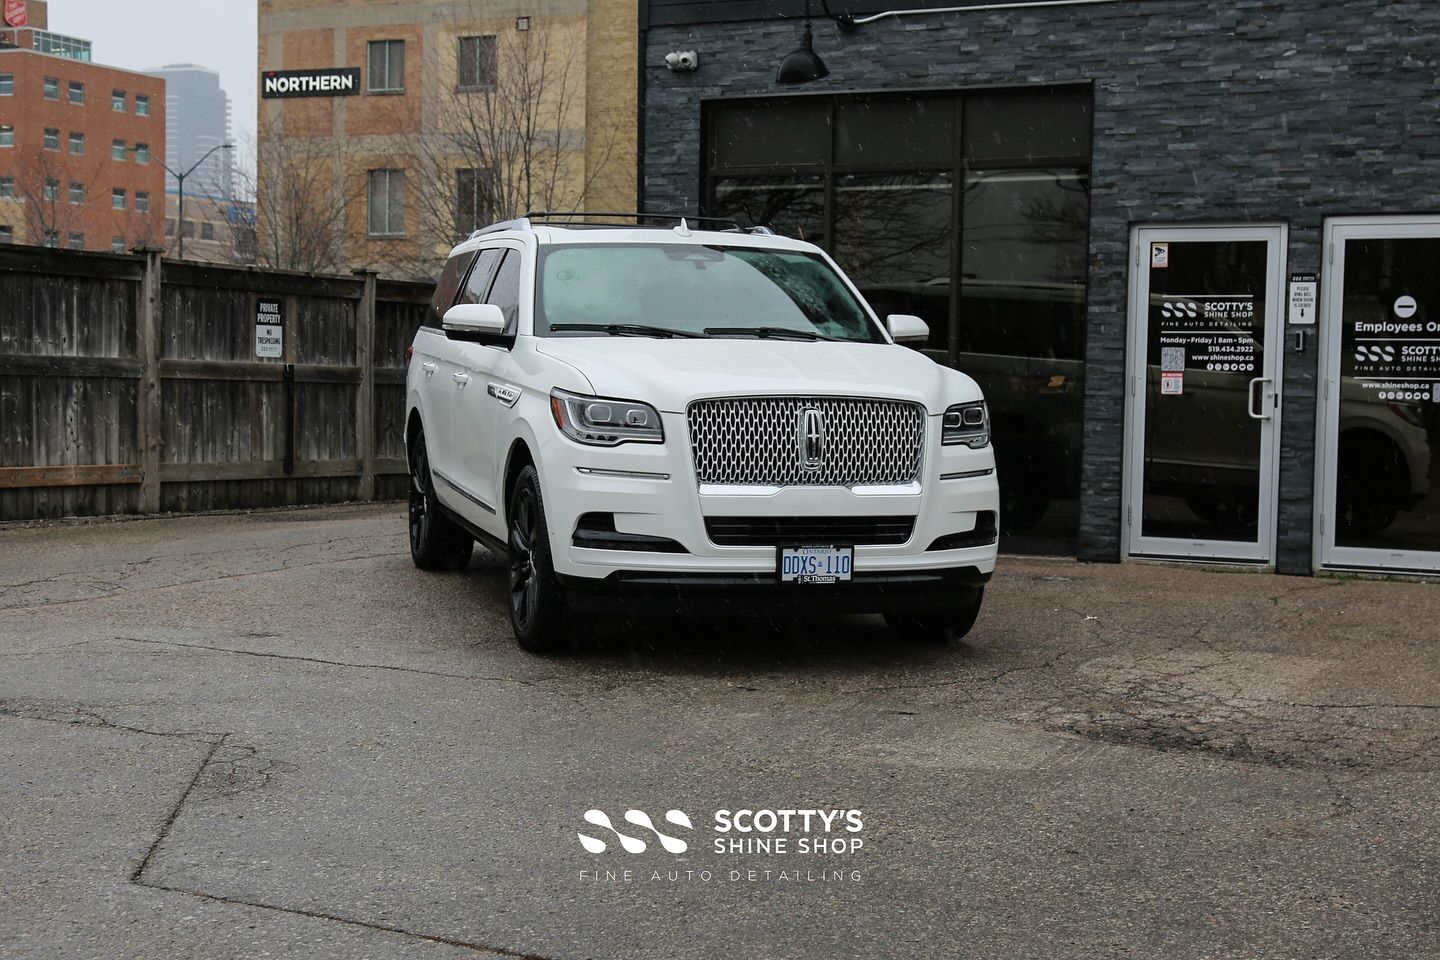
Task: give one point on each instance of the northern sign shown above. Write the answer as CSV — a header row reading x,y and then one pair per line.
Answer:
x,y
329,82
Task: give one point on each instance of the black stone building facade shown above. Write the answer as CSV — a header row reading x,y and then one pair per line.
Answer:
x,y
1189,249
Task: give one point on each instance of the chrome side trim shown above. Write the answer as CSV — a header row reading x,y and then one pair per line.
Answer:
x,y
966,475
623,474
462,491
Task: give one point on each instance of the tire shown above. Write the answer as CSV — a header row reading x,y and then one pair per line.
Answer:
x,y
436,543
937,627
539,614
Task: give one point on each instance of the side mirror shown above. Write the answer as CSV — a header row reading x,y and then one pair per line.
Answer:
x,y
905,328
482,318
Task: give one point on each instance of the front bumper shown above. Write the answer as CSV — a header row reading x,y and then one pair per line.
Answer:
x,y
762,595
651,490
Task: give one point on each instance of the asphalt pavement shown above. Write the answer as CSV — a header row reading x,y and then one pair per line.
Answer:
x,y
269,735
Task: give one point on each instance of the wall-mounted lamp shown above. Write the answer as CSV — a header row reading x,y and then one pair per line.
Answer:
x,y
802,65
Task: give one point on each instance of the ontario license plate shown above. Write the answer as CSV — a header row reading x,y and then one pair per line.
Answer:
x,y
816,564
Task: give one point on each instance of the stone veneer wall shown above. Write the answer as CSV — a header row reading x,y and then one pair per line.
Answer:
x,y
1258,111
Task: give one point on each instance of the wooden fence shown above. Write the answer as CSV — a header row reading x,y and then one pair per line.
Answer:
x,y
131,384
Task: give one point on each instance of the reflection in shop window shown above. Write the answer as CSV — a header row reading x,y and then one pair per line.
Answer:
x,y
1388,484
791,206
880,171
1021,333
894,236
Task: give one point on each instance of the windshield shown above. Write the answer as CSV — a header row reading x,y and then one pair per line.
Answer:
x,y
689,290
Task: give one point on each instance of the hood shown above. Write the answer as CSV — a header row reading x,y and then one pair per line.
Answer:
x,y
671,373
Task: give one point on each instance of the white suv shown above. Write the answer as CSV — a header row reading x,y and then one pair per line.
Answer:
x,y
669,419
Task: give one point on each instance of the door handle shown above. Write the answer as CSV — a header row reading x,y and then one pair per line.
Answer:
x,y
1250,399
460,378
429,368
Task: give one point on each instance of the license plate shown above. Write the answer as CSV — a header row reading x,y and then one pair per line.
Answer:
x,y
816,564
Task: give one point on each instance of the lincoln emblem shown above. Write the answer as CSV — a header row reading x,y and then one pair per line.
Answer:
x,y
812,438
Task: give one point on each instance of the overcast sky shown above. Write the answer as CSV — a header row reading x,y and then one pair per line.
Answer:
x,y
144,34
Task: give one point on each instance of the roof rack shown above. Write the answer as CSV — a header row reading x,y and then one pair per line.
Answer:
x,y
555,218
523,225
578,218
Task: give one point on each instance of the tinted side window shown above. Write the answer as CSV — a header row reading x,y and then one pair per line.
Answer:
x,y
446,289
505,293
479,282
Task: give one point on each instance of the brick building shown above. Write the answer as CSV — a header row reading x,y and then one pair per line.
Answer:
x,y
419,112
81,145
1188,249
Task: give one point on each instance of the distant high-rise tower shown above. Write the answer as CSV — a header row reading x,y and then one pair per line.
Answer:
x,y
197,118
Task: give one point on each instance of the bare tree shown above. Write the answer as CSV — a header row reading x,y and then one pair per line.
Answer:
x,y
512,138
302,188
43,184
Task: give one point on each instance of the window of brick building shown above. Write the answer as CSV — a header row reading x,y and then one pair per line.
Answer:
x,y
52,190
7,188
7,84
117,150
77,92
142,105
52,138
117,244
387,203
117,101
52,88
7,135
387,66
117,198
477,63
52,239
77,241
77,192
142,153
77,143
7,233
142,201
472,200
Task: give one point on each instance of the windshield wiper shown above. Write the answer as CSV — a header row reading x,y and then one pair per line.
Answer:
x,y
627,329
767,333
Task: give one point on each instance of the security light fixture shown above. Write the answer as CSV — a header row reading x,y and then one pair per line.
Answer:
x,y
802,65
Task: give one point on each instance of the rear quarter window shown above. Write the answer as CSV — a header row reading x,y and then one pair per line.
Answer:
x,y
448,286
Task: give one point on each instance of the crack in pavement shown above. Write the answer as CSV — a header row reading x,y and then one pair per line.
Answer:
x,y
536,684
169,824
42,711
111,589
216,744
349,921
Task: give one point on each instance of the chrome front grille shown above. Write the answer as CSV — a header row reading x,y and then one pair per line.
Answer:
x,y
771,441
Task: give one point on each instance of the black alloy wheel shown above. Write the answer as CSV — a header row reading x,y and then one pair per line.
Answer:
x,y
538,611
436,542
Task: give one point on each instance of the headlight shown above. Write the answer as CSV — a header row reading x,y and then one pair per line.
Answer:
x,y
603,422
967,423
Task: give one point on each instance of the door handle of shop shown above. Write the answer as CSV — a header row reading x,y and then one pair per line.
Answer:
x,y
460,378
429,369
1250,399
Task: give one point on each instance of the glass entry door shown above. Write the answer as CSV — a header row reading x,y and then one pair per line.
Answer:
x,y
1379,443
1203,392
